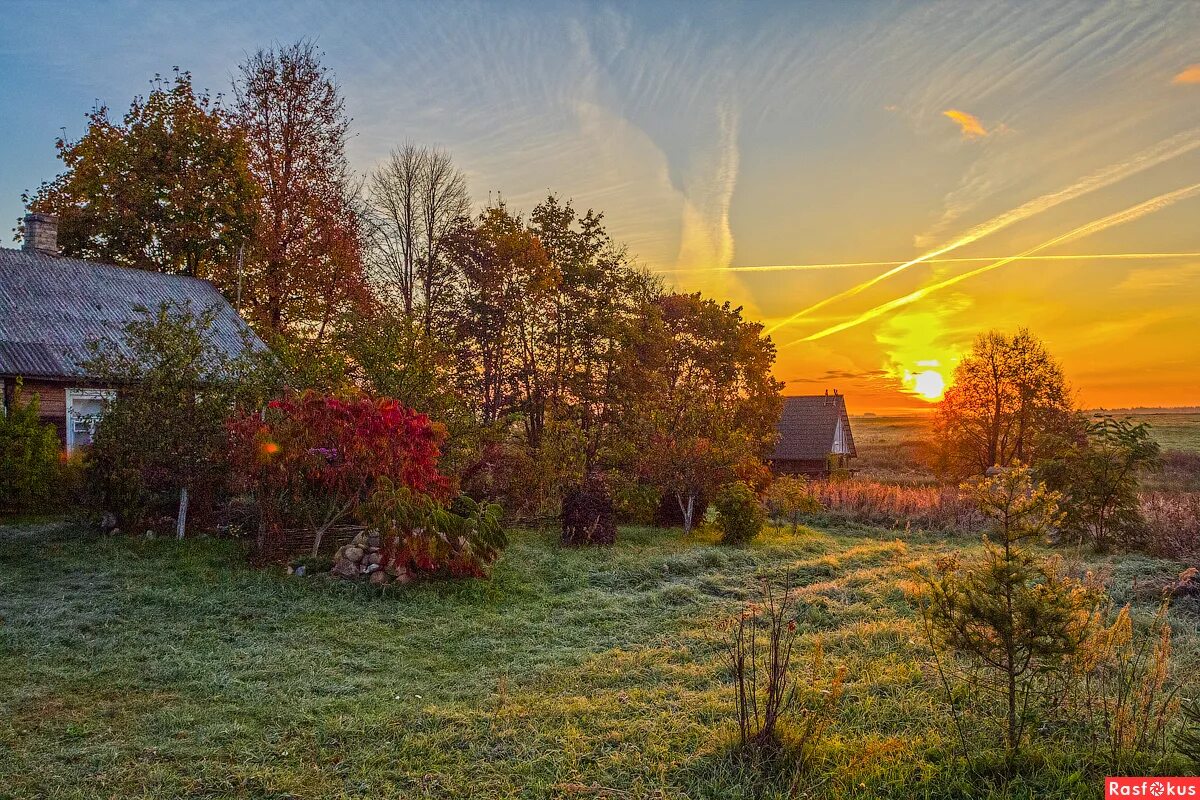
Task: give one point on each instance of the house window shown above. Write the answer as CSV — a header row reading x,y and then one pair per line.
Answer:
x,y
84,407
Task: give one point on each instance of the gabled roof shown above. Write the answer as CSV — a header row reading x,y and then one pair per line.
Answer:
x,y
50,306
807,427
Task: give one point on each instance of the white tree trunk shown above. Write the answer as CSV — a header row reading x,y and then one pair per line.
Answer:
x,y
181,520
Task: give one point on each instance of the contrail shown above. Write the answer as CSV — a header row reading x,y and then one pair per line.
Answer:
x,y
1164,151
1129,214
972,260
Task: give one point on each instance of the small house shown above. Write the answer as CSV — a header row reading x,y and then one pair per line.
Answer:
x,y
51,306
814,436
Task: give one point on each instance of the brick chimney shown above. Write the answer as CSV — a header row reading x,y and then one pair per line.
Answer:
x,y
41,233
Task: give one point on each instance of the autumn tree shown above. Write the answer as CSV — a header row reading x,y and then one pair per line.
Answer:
x,y
167,188
163,434
507,283
306,266
1008,404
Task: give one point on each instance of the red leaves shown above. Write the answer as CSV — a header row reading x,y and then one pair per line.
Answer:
x,y
317,457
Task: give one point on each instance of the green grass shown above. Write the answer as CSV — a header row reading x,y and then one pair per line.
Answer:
x,y
132,668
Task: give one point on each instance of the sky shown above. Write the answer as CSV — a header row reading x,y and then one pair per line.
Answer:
x,y
876,182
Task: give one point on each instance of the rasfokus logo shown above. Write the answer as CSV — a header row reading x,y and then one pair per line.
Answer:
x,y
1152,787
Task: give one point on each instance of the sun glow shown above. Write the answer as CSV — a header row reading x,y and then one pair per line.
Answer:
x,y
929,385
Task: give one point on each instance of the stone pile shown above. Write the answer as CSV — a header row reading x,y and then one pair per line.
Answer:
x,y
363,556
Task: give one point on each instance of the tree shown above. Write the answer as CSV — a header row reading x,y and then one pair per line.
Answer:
x,y
164,433
1100,476
1012,614
507,281
417,201
317,458
166,189
305,267
29,456
1008,404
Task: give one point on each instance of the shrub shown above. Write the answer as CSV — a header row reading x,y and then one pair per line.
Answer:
x,y
1012,618
739,515
1123,688
1172,523
635,503
788,498
316,459
1099,476
587,515
422,533
29,458
768,700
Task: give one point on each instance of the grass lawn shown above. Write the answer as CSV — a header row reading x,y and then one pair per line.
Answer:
x,y
138,668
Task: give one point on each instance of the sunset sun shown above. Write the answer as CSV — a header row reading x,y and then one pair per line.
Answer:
x,y
929,385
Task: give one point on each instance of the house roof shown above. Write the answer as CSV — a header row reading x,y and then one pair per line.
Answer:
x,y
807,427
51,306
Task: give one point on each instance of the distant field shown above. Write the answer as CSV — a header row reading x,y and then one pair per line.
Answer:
x,y
896,448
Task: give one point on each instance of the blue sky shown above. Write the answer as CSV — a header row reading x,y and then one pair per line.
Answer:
x,y
727,134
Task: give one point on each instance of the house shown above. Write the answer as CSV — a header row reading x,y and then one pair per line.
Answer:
x,y
51,306
814,435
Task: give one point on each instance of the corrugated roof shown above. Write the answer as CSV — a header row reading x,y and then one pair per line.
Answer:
x,y
807,427
51,306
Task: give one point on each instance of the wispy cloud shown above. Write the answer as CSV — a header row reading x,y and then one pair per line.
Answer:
x,y
1163,151
1189,75
968,124
1095,226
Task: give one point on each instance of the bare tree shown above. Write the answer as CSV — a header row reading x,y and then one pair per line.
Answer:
x,y
444,205
417,198
395,223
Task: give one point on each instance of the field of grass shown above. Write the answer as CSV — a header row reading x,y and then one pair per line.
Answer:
x,y
896,449
135,668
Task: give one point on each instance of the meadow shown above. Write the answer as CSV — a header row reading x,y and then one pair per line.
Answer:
x,y
151,668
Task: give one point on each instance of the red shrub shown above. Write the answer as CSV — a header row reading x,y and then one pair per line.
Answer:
x,y
314,459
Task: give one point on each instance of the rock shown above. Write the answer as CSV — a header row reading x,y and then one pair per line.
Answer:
x,y
360,540
148,535
402,576
374,558
353,553
393,570
373,540
345,569
300,571
108,521
340,554
379,578
373,568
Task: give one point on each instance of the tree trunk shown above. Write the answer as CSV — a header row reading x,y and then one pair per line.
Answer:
x,y
181,520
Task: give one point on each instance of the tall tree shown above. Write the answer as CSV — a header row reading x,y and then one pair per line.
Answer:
x,y
306,266
417,200
166,189
1008,403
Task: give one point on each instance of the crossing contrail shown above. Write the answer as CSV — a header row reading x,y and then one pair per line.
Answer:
x,y
1165,150
972,260
1127,215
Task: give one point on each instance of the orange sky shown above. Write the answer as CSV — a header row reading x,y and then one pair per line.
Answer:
x,y
860,151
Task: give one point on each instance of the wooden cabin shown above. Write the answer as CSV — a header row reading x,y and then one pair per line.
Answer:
x,y
814,436
51,306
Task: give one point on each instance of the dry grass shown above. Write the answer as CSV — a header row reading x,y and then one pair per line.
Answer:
x,y
894,506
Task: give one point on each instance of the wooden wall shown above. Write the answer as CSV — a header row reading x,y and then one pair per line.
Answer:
x,y
52,401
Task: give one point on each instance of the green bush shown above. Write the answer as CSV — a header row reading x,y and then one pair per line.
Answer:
x,y
29,458
740,517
